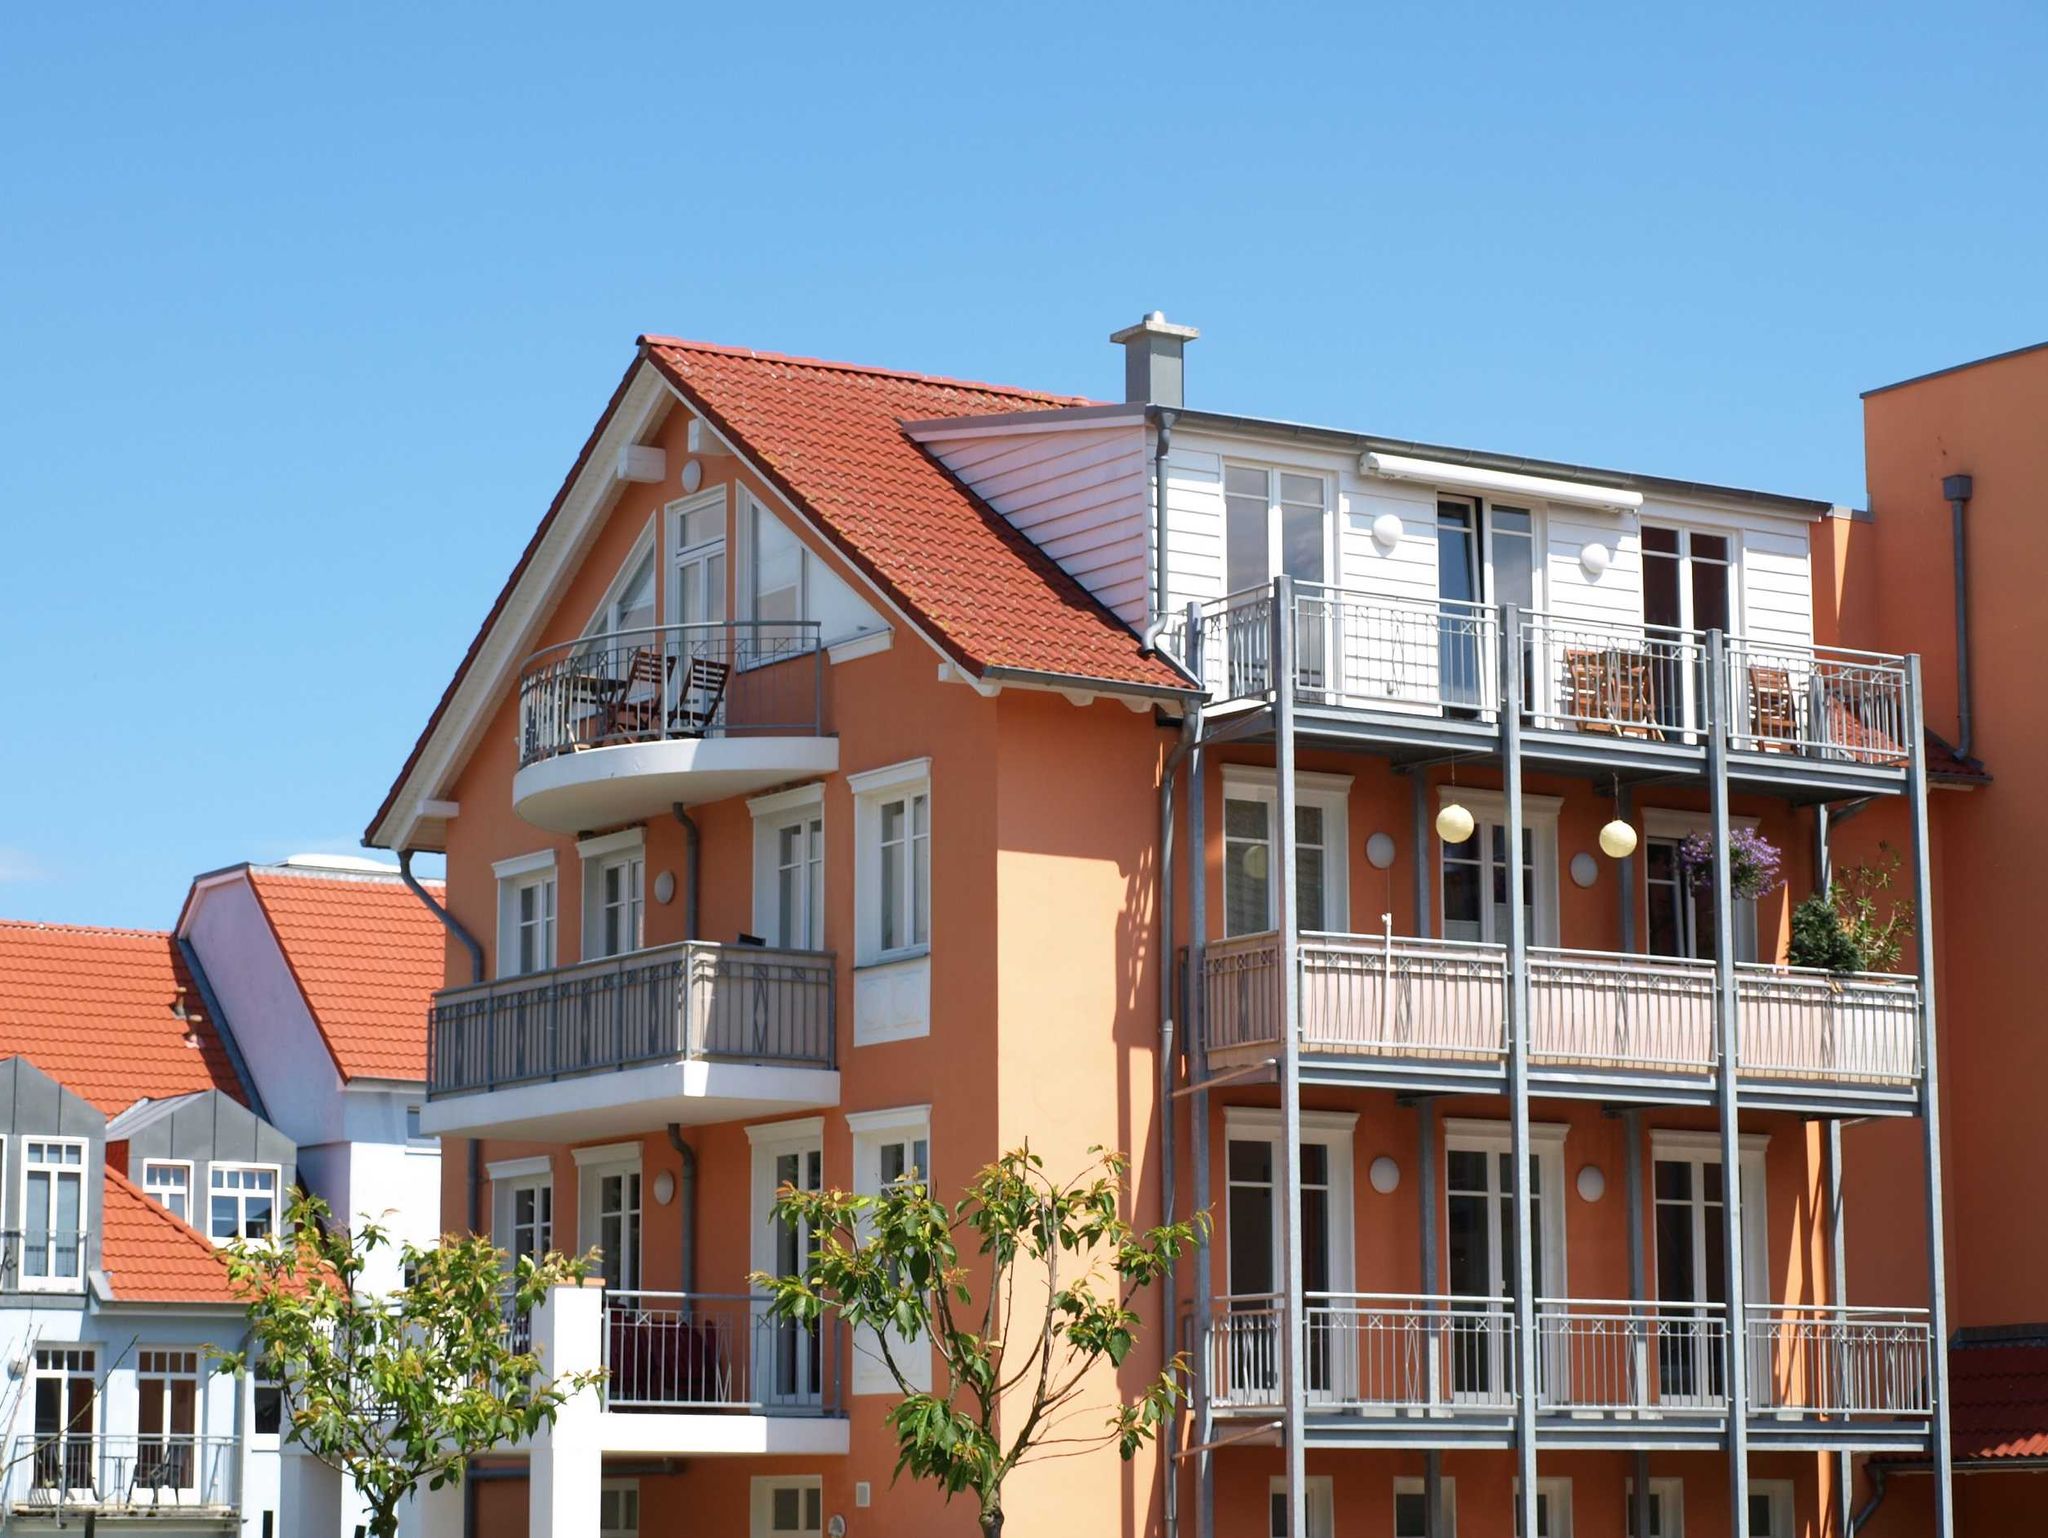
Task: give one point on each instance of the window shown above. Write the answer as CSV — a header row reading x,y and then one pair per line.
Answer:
x,y
1553,1508
629,606
1473,884
241,1201
618,1509
888,1146
894,860
1321,871
609,1210
526,914
789,867
788,1356
788,1505
1667,1508
1318,1499
614,892
1688,584
167,1418
1409,1515
1688,1199
66,1417
1479,1206
266,1406
53,1211
1485,554
1770,1508
169,1184
1679,912
776,589
1274,521
697,535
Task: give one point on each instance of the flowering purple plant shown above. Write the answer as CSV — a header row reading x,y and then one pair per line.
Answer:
x,y
1754,863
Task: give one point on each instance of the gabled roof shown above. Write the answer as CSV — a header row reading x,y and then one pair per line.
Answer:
x,y
145,1113
150,1256
93,1009
367,957
830,437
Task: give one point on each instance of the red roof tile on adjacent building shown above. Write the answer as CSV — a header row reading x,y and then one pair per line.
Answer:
x,y
830,436
151,1257
1998,1401
92,1008
367,956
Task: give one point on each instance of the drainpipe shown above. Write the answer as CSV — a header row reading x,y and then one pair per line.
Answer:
x,y
1162,426
1958,488
686,1197
1168,1198
692,847
1877,1476
448,920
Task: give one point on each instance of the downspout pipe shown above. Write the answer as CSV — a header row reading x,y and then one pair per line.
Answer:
x,y
448,920
1163,419
693,850
1168,1171
1958,489
686,1198
1862,1518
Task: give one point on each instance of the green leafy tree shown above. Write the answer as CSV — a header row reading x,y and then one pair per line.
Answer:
x,y
1855,926
398,1390
1012,1375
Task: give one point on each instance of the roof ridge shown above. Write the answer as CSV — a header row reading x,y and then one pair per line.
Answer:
x,y
178,1225
795,360
334,877
85,929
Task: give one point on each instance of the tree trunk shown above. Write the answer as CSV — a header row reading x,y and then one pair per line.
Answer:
x,y
384,1521
992,1523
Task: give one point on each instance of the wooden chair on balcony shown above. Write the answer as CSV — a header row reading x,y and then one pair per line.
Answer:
x,y
1609,690
696,708
1773,710
634,709
1856,713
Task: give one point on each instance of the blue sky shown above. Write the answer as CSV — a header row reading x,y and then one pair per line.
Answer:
x,y
305,310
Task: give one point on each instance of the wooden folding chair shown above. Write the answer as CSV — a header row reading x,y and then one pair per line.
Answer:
x,y
1773,710
696,709
634,710
1611,691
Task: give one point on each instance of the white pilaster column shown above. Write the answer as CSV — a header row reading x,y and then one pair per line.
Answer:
x,y
567,1457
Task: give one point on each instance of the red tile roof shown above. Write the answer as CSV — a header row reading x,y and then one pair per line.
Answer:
x,y
92,1009
367,956
829,435
1998,1401
151,1257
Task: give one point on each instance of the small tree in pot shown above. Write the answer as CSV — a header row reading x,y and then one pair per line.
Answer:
x,y
1853,927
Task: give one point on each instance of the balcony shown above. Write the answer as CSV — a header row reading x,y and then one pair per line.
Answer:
x,y
1395,1012
65,1477
684,1033
620,727
43,1259
1418,675
1410,1369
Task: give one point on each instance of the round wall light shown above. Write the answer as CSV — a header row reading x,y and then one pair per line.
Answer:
x,y
665,887
1386,532
1454,824
1379,851
1585,869
1617,840
664,1188
1385,1175
1594,558
693,474
1255,861
1592,1183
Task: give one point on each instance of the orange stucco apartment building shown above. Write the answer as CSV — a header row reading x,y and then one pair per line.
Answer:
x,y
864,771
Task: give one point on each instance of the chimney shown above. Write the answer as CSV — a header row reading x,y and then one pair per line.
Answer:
x,y
1153,370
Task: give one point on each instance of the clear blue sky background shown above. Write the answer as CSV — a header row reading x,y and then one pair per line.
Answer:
x,y
304,310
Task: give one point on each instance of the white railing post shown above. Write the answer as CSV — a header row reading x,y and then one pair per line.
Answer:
x,y
566,1460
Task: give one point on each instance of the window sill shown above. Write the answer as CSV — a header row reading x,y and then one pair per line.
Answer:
x,y
894,959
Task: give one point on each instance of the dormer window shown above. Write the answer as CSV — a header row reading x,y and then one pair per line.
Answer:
x,y
1274,521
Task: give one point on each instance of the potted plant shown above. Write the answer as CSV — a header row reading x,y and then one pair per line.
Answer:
x,y
1754,864
1849,928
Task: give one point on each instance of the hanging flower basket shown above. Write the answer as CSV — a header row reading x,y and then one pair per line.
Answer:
x,y
1754,864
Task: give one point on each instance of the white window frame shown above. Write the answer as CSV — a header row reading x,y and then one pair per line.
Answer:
x,y
1484,532
873,1132
245,1167
605,618
196,1376
802,809
1319,1499
155,1192
1668,823
802,1138
518,874
630,1487
1272,470
626,852
675,518
752,511
1685,530
1408,1485
510,1177
1328,793
1539,817
873,791
75,1360
1557,1490
1465,1134
1669,1493
1337,1132
593,1167
51,1281
1784,1498
761,1504
1702,1148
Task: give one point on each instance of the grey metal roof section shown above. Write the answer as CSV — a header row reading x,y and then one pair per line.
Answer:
x,y
144,1112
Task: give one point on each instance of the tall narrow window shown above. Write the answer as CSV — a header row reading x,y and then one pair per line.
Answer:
x,y
699,541
167,1418
778,568
526,914
1688,585
614,892
241,1201
169,1183
888,1146
53,1213
1320,866
1678,905
532,1219
66,1418
618,1226
906,871
789,868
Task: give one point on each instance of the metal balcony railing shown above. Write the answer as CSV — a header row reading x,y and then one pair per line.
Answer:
x,y
1606,1009
704,1352
1817,701
1825,1360
142,1474
43,1260
1366,1351
1843,1027
1631,1355
729,678
737,1003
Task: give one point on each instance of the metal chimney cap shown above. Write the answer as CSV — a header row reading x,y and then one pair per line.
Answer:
x,y
1155,324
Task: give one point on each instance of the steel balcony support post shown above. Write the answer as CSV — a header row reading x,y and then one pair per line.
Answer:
x,y
1293,1392
1518,1011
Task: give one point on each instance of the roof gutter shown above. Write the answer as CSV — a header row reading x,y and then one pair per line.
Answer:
x,y
1032,678
222,1027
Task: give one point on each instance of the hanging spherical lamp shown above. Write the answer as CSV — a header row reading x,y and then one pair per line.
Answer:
x,y
1618,840
1454,824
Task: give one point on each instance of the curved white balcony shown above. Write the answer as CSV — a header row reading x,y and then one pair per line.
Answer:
x,y
617,727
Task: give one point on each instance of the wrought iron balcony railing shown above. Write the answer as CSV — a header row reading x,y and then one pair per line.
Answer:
x,y
144,1474
703,1352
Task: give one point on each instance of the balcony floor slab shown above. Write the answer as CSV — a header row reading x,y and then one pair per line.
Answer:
x,y
658,1434
689,1092
625,782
